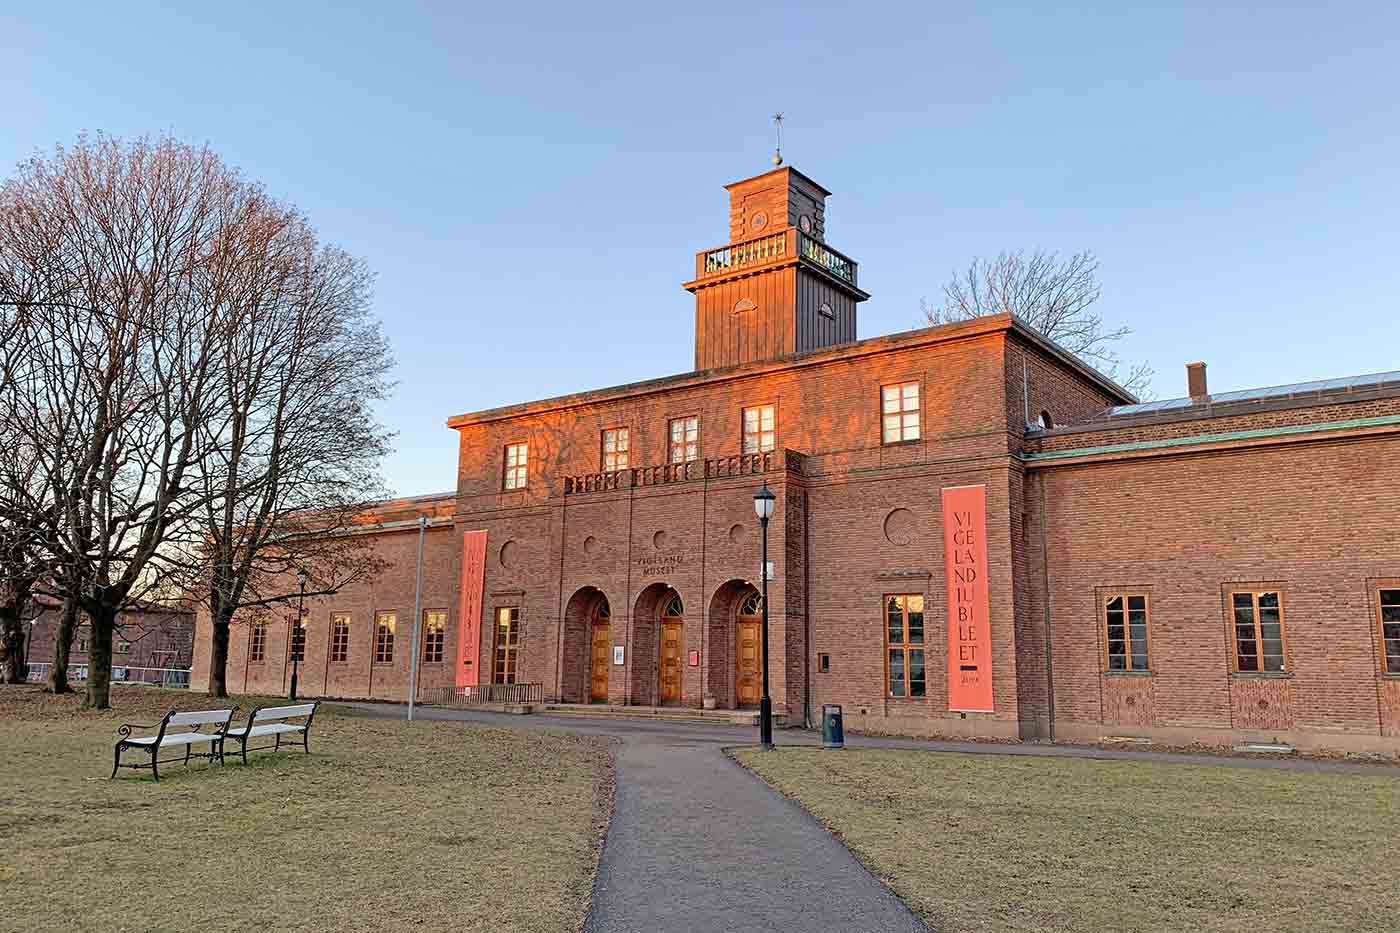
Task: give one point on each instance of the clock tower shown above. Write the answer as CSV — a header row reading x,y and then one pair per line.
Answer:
x,y
776,288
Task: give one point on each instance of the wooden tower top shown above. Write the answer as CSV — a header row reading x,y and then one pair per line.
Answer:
x,y
776,288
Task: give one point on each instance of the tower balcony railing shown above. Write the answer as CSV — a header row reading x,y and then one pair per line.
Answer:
x,y
770,249
663,474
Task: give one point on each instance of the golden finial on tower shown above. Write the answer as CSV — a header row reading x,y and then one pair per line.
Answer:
x,y
778,147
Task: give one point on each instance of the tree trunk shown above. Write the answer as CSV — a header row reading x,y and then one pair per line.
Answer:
x,y
99,679
13,670
218,656
62,647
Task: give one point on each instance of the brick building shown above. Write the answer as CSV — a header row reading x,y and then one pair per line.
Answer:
x,y
975,533
152,644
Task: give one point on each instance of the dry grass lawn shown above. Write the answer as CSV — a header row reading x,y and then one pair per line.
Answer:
x,y
995,842
386,825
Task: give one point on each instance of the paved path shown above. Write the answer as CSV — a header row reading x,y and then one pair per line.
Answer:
x,y
697,843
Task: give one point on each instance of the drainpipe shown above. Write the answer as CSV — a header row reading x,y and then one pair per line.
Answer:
x,y
1045,585
806,612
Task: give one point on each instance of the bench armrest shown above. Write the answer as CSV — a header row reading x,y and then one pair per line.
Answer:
x,y
125,729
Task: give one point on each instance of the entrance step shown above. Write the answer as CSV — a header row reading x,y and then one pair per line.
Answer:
x,y
714,717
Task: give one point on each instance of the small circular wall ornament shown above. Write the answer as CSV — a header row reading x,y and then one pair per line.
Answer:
x,y
804,223
760,220
745,304
590,545
508,554
658,540
899,527
736,533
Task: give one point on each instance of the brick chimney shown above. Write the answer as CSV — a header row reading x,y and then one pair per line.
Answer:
x,y
1196,381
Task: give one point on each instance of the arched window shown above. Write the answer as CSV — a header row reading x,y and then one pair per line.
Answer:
x,y
673,609
752,606
1046,422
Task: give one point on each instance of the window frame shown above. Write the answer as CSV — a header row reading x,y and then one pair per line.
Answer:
x,y
340,637
435,639
906,646
257,643
1105,595
508,471
744,430
296,650
380,655
1377,588
919,410
625,454
670,443
512,655
1231,591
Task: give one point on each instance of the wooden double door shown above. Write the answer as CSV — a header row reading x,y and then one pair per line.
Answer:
x,y
748,660
601,648
672,664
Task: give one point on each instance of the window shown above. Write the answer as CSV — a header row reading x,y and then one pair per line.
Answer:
x,y
899,413
83,638
1390,629
759,423
507,643
122,647
257,648
1046,422
517,465
1258,619
823,663
685,439
904,642
384,624
340,638
434,622
615,449
1125,615
299,640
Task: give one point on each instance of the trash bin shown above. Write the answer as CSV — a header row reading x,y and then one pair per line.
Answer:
x,y
833,733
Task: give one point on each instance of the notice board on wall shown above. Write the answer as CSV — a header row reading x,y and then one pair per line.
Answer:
x,y
469,615
969,622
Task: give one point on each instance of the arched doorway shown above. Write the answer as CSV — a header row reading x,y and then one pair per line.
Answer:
x,y
670,665
748,650
600,642
583,638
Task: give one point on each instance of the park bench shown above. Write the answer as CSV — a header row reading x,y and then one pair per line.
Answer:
x,y
173,731
272,720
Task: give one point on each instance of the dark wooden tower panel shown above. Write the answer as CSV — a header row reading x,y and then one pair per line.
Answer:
x,y
776,288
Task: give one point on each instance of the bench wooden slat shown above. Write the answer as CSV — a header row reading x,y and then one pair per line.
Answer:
x,y
200,717
283,712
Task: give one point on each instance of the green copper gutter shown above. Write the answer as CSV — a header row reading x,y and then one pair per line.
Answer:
x,y
1196,439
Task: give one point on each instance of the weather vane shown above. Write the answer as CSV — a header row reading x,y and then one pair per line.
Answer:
x,y
778,147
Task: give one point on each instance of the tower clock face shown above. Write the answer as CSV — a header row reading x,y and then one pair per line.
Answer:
x,y
804,223
760,220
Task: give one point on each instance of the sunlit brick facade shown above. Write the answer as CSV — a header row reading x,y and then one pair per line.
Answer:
x,y
622,550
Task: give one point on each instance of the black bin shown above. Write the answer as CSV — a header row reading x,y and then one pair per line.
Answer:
x,y
833,732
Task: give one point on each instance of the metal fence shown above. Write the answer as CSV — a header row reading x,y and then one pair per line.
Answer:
x,y
462,697
140,676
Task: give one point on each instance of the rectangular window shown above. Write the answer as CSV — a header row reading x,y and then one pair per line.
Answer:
x,y
904,644
257,648
1125,615
122,647
507,643
759,429
340,637
384,624
615,443
517,465
685,439
299,641
434,624
1258,621
1390,629
899,413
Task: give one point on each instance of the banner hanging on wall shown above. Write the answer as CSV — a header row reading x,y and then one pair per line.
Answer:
x,y
969,622
469,616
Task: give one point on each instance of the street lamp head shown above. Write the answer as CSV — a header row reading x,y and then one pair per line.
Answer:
x,y
763,502
302,577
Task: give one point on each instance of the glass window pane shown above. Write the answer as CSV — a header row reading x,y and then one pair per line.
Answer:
x,y
889,401
1114,604
1248,662
1244,615
916,626
1269,600
1390,614
915,602
1137,603
897,673
1139,662
1243,601
911,395
916,673
1117,662
911,423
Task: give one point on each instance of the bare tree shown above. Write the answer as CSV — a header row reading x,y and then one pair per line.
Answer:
x,y
105,250
1053,295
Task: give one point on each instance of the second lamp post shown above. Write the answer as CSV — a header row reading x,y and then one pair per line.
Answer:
x,y
298,633
763,507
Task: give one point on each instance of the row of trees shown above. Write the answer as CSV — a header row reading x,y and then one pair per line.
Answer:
x,y
186,381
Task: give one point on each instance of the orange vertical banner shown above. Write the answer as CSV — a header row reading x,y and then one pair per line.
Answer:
x,y
969,622
473,582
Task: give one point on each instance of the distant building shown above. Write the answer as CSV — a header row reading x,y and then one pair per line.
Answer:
x,y
975,534
151,644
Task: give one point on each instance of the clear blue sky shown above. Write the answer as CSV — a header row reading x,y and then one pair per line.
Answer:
x,y
531,180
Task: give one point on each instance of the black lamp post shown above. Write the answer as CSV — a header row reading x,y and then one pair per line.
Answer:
x,y
298,634
763,507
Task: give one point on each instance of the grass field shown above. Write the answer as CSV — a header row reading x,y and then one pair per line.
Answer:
x,y
386,825
994,842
